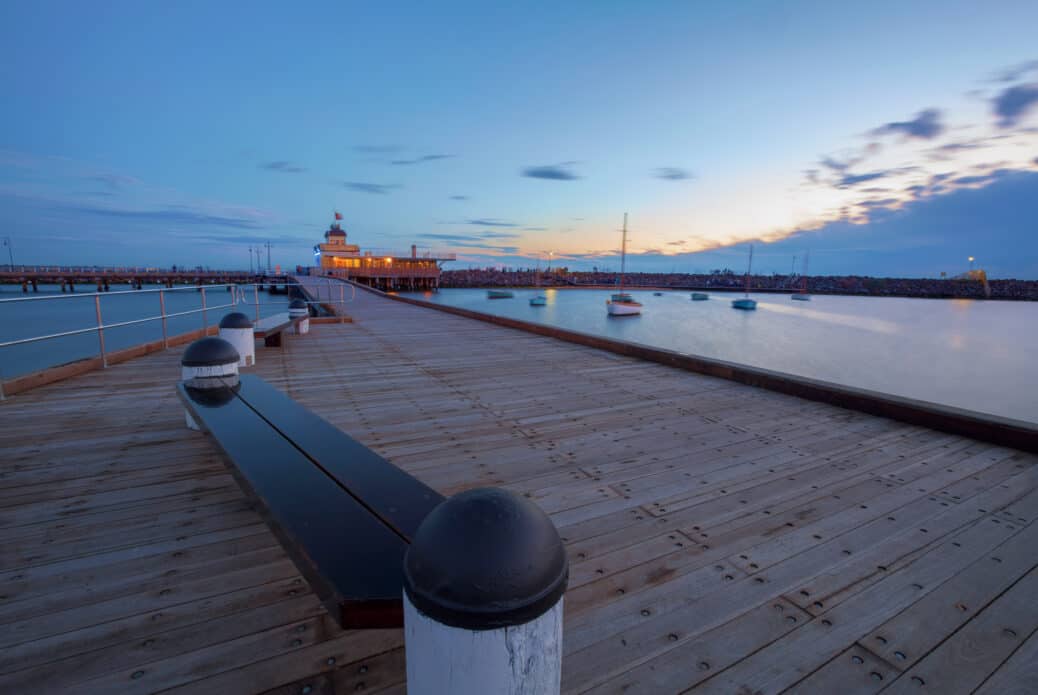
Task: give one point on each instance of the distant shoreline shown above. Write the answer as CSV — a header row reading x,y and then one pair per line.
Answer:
x,y
850,286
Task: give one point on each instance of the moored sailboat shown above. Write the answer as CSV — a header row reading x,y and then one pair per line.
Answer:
x,y
540,299
745,303
803,296
623,304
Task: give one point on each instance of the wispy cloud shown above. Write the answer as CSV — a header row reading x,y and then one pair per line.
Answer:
x,y
469,237
172,215
283,167
968,180
446,237
499,249
376,149
855,179
950,149
459,197
242,239
839,165
114,182
673,174
551,172
374,188
1013,103
491,222
1016,72
424,158
926,125
474,241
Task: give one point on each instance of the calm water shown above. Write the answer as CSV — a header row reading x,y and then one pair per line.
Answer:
x,y
48,316
979,355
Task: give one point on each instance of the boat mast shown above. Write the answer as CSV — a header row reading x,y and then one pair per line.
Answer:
x,y
803,280
748,268
623,255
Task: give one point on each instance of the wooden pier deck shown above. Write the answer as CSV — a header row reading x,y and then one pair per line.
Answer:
x,y
722,538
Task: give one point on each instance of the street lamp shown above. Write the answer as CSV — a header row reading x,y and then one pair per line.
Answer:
x,y
971,264
10,254
550,254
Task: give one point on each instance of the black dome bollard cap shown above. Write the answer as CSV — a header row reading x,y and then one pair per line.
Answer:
x,y
485,559
209,352
235,319
297,304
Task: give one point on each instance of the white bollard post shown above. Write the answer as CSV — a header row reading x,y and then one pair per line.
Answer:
x,y
236,329
208,363
483,584
297,308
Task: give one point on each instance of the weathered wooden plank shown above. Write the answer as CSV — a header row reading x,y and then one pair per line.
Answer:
x,y
968,657
783,663
1019,674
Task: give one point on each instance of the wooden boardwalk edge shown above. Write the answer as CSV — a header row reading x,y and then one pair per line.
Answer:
x,y
1017,434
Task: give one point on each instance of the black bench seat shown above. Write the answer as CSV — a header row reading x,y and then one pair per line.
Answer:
x,y
271,327
344,514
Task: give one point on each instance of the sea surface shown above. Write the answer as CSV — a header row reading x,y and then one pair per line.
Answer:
x,y
977,355
49,311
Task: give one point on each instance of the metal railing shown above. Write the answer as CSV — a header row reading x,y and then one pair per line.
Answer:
x,y
421,253
102,270
238,298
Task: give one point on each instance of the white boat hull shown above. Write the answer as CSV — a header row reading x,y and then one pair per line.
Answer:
x,y
623,308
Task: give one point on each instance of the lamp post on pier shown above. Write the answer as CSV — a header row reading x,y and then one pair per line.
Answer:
x,y
10,253
971,264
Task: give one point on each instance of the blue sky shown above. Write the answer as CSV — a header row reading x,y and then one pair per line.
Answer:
x,y
887,138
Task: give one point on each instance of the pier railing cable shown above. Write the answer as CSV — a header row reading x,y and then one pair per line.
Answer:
x,y
313,295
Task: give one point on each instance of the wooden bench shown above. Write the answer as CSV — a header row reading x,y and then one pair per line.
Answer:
x,y
271,328
343,513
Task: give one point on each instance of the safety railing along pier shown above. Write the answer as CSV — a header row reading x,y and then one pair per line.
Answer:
x,y
321,292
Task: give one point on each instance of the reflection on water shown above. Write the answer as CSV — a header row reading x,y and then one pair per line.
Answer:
x,y
978,355
866,324
72,312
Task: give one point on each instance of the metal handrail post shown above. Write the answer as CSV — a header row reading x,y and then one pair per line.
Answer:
x,y
342,299
100,331
205,320
162,307
255,294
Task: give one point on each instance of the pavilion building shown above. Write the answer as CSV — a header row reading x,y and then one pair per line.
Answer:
x,y
384,270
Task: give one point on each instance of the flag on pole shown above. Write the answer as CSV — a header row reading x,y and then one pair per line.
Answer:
x,y
338,215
